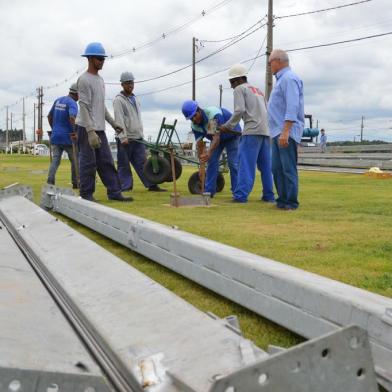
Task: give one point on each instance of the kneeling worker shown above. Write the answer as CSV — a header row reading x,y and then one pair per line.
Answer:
x,y
204,125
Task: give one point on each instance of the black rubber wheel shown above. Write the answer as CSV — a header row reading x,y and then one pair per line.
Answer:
x,y
194,184
177,166
220,182
161,175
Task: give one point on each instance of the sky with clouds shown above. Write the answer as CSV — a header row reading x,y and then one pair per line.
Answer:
x,y
42,41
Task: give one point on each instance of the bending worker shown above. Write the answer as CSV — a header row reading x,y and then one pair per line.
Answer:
x,y
254,148
130,148
94,151
204,125
61,119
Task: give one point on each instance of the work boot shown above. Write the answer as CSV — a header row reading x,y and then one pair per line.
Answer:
x,y
155,188
121,198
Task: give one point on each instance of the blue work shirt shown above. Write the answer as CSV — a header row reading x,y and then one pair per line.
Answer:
x,y
323,139
221,116
62,109
286,103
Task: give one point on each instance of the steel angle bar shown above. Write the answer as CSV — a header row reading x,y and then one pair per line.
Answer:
x,y
141,334
306,303
17,189
39,349
339,361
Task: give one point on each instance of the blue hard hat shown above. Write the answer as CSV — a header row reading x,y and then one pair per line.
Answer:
x,y
94,49
189,109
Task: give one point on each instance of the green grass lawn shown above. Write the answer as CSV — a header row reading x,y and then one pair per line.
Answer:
x,y
342,230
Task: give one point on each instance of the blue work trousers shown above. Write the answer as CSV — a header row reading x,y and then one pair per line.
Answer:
x,y
96,160
231,146
133,153
57,152
284,169
254,150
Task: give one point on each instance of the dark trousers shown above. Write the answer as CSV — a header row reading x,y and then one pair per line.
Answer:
x,y
284,170
96,160
133,153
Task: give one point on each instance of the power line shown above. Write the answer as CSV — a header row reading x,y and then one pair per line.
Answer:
x,y
257,54
234,36
323,10
340,42
262,55
222,48
172,31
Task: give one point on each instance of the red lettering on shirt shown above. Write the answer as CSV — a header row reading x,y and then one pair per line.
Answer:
x,y
256,91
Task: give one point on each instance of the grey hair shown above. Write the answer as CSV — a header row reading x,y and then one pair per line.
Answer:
x,y
280,54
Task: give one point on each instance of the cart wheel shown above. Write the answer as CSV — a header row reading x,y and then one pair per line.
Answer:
x,y
161,175
220,182
178,168
194,184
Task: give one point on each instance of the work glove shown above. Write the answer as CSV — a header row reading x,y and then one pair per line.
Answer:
x,y
118,129
93,139
74,136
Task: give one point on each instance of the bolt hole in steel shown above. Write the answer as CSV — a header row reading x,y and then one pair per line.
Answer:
x,y
354,342
296,367
325,353
263,379
81,366
361,373
52,388
14,386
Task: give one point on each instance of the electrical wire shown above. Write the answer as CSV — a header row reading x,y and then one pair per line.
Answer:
x,y
222,48
323,10
262,55
234,36
175,30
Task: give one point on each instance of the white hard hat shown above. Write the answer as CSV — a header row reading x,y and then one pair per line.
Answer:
x,y
237,70
127,77
73,88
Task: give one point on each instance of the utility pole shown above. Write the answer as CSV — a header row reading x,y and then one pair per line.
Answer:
x,y
194,68
39,106
11,133
34,125
362,128
6,132
268,73
220,95
24,127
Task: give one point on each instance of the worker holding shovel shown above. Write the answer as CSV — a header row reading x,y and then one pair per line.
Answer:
x,y
204,126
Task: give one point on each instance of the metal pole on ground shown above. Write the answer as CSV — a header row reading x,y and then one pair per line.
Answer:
x,y
202,173
173,169
76,163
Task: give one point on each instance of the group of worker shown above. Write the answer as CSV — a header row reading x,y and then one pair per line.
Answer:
x,y
268,141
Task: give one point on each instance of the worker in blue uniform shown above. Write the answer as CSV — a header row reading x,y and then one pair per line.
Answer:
x,y
61,119
204,125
